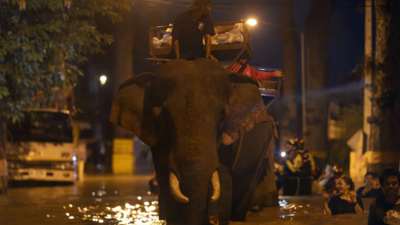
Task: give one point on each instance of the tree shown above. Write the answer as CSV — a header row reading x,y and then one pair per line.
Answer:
x,y
42,44
289,121
385,119
123,60
317,34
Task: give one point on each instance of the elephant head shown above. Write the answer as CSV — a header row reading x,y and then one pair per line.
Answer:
x,y
184,112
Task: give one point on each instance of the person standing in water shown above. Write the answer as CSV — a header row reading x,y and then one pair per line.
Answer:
x,y
346,202
369,191
389,180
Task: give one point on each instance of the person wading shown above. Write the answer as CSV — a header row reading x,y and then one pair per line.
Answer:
x,y
346,202
369,191
389,180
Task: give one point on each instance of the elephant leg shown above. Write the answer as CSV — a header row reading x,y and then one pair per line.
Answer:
x,y
259,194
269,186
222,208
249,169
266,193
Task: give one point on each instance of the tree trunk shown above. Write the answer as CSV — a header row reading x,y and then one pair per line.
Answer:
x,y
123,59
385,119
289,121
3,139
3,156
317,33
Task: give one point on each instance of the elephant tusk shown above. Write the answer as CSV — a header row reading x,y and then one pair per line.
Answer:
x,y
216,187
175,190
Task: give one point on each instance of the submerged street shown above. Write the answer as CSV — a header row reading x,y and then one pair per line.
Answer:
x,y
111,199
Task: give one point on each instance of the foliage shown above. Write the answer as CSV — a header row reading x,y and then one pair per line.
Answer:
x,y
42,44
350,121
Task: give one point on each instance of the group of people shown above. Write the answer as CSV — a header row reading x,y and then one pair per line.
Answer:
x,y
299,163
348,201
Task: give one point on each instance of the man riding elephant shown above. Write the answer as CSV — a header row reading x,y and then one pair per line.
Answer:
x,y
189,30
209,134
194,25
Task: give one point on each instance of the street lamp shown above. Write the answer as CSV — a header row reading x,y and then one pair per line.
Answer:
x,y
303,66
103,79
252,22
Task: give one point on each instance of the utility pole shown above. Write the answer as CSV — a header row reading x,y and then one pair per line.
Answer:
x,y
367,71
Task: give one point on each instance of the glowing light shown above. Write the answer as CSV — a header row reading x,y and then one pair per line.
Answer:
x,y
145,213
74,158
283,154
252,22
139,198
103,79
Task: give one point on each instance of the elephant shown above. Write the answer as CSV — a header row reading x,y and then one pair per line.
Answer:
x,y
209,134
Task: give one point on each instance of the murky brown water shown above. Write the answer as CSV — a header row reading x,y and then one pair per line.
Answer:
x,y
304,211
125,200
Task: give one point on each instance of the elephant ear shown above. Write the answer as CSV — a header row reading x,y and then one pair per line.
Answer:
x,y
130,112
246,108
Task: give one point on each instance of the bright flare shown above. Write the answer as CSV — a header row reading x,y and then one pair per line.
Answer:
x,y
252,22
103,79
283,154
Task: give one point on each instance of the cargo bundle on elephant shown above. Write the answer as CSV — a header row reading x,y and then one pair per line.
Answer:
x,y
193,115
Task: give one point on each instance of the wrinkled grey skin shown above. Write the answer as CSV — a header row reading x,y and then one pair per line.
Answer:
x,y
191,114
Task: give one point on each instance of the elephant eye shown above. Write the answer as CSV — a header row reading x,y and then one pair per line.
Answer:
x,y
223,116
157,111
224,113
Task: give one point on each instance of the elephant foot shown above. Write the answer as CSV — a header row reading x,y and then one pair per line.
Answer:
x,y
214,220
254,212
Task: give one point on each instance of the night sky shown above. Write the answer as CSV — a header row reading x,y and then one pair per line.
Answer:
x,y
346,47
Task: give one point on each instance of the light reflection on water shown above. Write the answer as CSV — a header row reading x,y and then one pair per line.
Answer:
x,y
307,211
45,205
142,210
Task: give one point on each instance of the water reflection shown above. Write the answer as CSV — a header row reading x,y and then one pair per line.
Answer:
x,y
292,210
141,210
144,210
97,203
306,211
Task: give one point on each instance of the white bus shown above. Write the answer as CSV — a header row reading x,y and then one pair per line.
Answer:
x,y
41,147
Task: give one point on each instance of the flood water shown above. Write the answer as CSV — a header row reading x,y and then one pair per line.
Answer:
x,y
126,200
305,210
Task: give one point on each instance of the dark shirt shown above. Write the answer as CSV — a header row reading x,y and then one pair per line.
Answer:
x,y
340,206
190,35
378,210
374,193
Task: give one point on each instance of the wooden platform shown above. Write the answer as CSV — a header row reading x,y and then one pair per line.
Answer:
x,y
223,52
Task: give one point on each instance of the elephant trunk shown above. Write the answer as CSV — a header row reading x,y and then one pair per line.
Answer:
x,y
175,190
216,187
